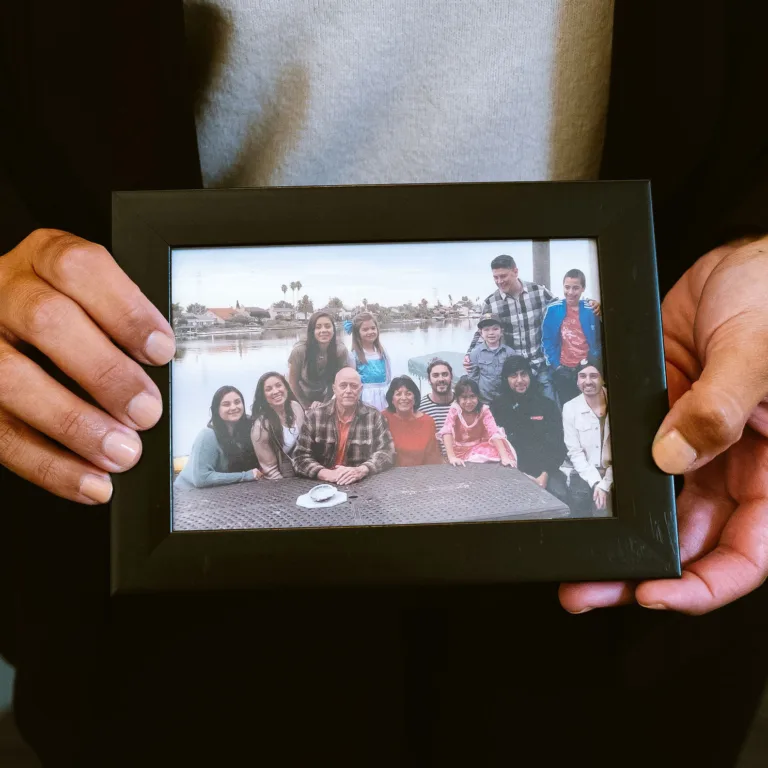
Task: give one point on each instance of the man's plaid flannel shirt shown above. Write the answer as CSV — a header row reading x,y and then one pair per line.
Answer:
x,y
369,442
522,320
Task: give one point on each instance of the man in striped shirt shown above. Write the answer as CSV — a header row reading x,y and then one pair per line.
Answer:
x,y
438,401
521,307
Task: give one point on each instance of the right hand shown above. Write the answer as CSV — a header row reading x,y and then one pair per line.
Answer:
x,y
68,298
467,364
454,461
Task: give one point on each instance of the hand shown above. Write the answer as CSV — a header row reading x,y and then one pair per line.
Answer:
x,y
507,461
594,306
716,338
541,480
328,475
257,475
467,364
69,299
600,497
315,404
349,475
454,461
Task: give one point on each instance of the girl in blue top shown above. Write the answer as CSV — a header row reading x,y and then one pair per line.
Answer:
x,y
370,360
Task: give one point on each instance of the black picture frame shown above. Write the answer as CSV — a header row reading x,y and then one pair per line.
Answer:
x,y
638,542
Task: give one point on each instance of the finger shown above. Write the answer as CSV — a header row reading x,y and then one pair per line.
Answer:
x,y
738,565
710,417
586,596
33,457
33,397
703,510
89,275
59,328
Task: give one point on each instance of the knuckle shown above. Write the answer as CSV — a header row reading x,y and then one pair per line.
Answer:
x,y
107,374
47,472
74,424
132,322
10,441
716,422
9,372
44,310
70,257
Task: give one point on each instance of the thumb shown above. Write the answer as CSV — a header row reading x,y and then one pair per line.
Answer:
x,y
710,417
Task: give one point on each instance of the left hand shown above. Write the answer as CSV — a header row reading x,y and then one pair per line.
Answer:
x,y
600,497
594,306
349,475
507,461
716,338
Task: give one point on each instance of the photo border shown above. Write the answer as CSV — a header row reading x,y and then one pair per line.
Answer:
x,y
638,542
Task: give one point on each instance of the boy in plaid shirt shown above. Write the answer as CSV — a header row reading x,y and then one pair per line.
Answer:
x,y
344,440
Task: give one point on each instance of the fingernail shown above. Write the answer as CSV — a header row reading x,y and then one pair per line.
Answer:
x,y
672,453
583,610
654,606
121,448
145,410
160,348
96,488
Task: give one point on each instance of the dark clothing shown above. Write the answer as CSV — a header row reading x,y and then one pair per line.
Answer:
x,y
95,98
535,428
564,380
580,499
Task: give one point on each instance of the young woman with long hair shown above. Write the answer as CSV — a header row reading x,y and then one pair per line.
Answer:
x,y
277,418
314,363
222,452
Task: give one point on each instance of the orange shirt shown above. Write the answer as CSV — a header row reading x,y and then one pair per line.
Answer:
x,y
342,427
415,441
574,343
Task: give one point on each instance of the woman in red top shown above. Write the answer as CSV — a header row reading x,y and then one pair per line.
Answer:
x,y
412,430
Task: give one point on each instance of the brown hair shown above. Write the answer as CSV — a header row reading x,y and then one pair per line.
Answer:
x,y
357,342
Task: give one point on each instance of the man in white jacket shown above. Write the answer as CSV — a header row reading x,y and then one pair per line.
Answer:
x,y
587,438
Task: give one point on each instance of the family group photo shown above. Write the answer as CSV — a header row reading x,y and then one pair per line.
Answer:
x,y
388,384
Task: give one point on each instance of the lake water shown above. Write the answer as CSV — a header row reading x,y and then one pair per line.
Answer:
x,y
204,364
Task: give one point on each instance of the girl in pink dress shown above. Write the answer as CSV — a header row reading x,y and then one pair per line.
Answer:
x,y
470,433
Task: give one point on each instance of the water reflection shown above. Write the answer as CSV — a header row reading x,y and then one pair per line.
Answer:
x,y
204,363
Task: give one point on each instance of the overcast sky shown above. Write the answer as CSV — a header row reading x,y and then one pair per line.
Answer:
x,y
388,274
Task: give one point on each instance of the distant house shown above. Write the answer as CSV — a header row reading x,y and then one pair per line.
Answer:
x,y
303,315
190,322
220,315
339,313
285,313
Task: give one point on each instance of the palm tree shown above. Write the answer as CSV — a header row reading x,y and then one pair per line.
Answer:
x,y
450,299
298,285
293,292
365,303
284,289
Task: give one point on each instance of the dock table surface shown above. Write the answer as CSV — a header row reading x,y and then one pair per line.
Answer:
x,y
404,495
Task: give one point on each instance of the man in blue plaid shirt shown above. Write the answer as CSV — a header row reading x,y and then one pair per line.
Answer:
x,y
520,306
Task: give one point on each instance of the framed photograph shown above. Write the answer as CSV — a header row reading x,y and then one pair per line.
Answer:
x,y
393,385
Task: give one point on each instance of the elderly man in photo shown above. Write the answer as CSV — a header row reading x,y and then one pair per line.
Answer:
x,y
571,332
588,441
521,306
344,440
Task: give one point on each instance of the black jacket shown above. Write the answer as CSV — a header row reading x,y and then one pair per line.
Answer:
x,y
534,427
97,96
